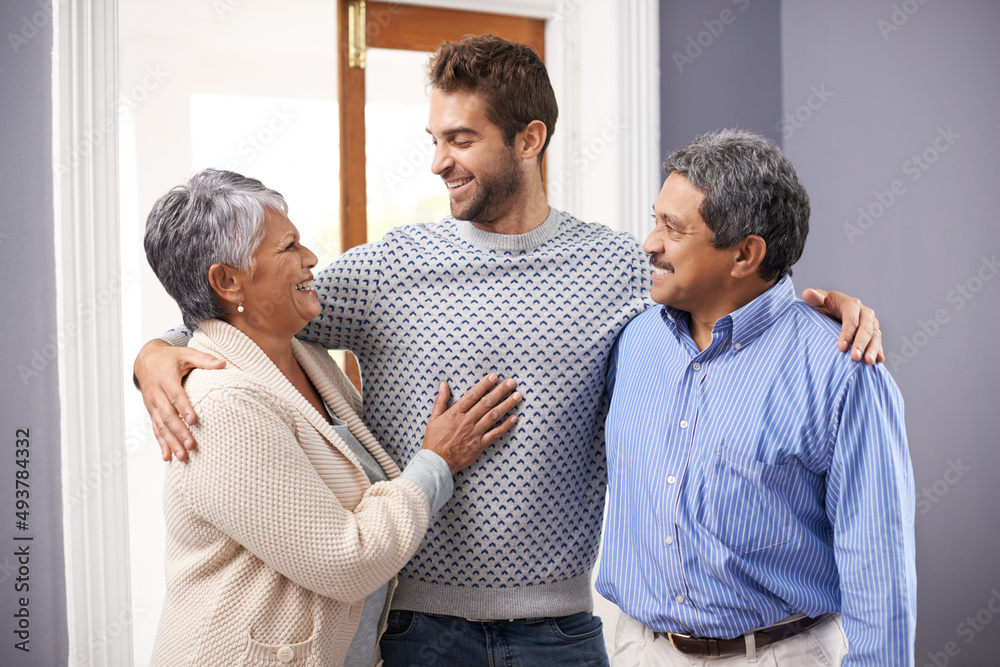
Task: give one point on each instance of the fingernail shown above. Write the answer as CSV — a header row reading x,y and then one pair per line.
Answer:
x,y
492,377
188,444
189,419
513,419
517,396
871,357
511,384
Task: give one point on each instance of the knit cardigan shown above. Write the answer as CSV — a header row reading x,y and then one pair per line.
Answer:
x,y
274,534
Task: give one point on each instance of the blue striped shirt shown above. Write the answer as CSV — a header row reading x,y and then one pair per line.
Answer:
x,y
764,476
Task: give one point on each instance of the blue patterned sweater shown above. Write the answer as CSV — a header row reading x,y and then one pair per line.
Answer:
x,y
448,301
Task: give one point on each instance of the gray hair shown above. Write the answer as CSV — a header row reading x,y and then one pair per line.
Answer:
x,y
216,217
750,188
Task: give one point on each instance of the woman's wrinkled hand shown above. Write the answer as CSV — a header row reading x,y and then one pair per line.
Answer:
x,y
461,433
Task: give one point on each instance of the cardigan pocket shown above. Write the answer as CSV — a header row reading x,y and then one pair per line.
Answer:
x,y
300,654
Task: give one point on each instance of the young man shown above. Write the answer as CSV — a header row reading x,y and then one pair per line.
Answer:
x,y
510,286
760,497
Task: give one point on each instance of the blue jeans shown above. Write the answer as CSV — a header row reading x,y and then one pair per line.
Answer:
x,y
414,639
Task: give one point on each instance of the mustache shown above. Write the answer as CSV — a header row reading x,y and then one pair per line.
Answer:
x,y
656,259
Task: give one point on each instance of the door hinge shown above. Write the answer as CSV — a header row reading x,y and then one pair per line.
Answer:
x,y
357,46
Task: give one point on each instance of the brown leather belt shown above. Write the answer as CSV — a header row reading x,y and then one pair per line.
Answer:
x,y
704,646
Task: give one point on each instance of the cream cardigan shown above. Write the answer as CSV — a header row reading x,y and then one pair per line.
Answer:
x,y
274,534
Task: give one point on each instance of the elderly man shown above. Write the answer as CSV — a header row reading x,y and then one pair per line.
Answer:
x,y
507,285
760,489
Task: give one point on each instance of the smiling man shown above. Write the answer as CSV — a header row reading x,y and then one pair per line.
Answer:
x,y
479,164
506,285
760,498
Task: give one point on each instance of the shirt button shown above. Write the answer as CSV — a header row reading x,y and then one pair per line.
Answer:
x,y
684,423
285,654
737,346
669,540
680,599
696,366
671,479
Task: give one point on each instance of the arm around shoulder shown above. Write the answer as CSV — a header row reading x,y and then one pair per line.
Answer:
x,y
346,289
159,371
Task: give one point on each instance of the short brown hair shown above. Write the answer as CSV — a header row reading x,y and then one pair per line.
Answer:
x,y
510,76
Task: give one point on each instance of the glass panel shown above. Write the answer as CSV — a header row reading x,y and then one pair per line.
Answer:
x,y
401,188
283,143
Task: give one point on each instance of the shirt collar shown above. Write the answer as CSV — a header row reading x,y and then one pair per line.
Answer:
x,y
746,323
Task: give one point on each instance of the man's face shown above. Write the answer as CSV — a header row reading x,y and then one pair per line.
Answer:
x,y
688,273
482,174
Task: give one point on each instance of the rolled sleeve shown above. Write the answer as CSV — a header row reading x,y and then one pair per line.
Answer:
x,y
431,473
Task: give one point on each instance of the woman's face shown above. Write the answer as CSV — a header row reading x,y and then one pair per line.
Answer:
x,y
279,297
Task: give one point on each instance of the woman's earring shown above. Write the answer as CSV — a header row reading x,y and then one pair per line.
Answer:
x,y
239,304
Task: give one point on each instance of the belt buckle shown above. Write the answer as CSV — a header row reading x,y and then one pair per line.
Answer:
x,y
670,638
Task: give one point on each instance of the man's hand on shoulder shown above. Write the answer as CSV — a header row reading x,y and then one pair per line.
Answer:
x,y
159,369
859,327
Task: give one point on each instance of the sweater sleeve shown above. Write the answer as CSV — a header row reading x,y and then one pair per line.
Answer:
x,y
345,289
250,479
642,274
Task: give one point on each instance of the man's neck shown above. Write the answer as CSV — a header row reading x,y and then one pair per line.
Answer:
x,y
525,214
703,320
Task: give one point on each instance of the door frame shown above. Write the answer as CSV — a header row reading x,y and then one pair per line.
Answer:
x,y
85,134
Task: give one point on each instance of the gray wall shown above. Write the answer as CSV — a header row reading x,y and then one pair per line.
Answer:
x,y
933,87
892,106
29,396
720,66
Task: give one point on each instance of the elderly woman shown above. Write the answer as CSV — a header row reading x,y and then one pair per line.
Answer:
x,y
288,524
